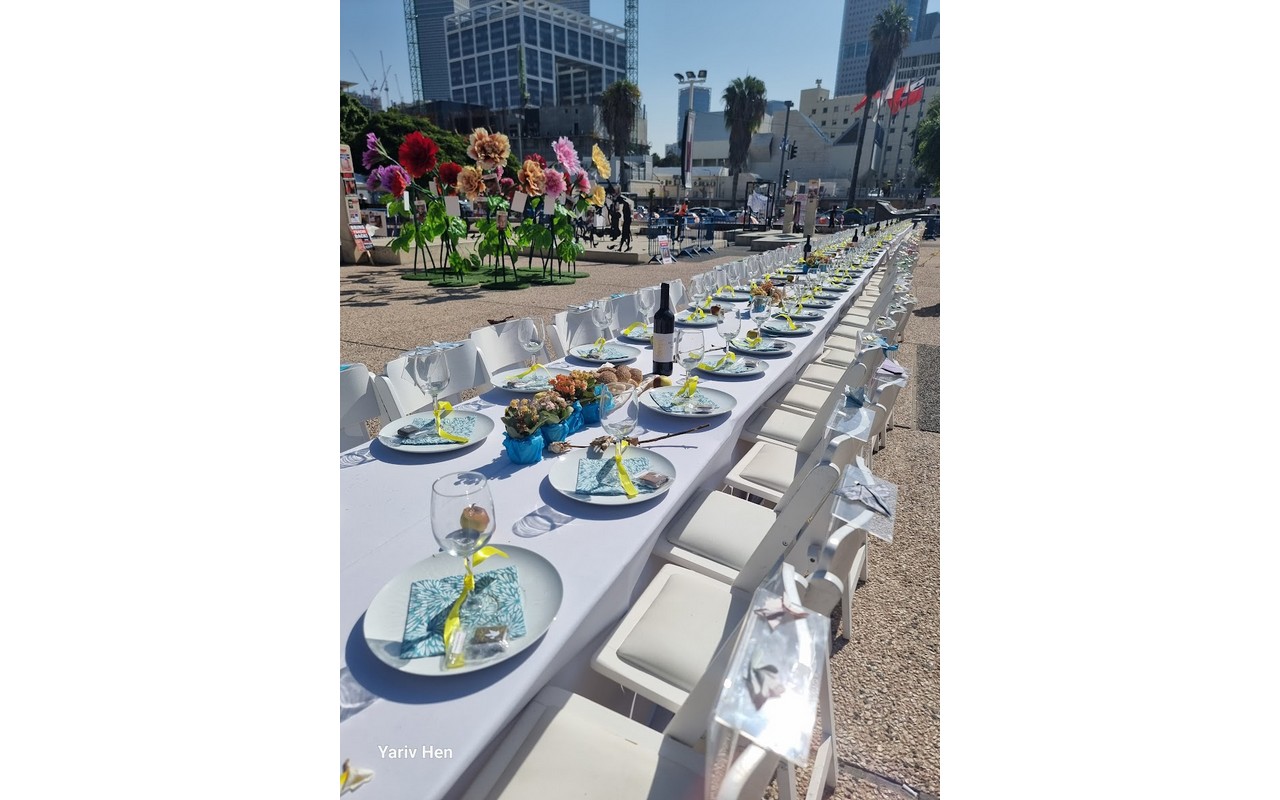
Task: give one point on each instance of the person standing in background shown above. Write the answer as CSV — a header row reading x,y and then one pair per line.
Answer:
x,y
625,244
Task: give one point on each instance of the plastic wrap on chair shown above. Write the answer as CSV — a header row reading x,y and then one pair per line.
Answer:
x,y
770,692
860,491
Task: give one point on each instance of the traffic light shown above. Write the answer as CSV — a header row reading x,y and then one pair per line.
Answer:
x,y
786,179
794,147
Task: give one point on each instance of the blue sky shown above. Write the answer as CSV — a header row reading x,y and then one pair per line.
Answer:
x,y
787,51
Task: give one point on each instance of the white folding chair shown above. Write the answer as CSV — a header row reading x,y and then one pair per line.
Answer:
x,y
563,745
665,642
399,396
572,328
358,406
500,349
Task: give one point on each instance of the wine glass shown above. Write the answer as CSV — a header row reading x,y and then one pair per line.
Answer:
x,y
462,518
647,303
690,348
532,337
729,322
697,290
619,410
430,371
602,314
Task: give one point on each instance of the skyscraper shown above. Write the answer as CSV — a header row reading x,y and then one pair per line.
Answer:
x,y
701,105
855,47
432,58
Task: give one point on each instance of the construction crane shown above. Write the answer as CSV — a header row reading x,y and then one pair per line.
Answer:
x,y
411,36
386,95
632,23
373,87
396,76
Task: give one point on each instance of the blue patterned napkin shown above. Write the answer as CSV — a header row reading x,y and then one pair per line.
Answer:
x,y
779,325
600,475
538,380
668,399
729,367
608,354
462,426
765,346
495,601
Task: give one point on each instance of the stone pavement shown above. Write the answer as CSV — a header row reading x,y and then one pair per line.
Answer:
x,y
885,680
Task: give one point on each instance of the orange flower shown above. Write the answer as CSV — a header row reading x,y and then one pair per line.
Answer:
x,y
532,178
471,182
490,150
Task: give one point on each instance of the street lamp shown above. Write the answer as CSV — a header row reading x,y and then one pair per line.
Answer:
x,y
686,143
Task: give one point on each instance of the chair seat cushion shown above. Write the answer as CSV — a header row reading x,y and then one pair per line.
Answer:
x,y
573,747
781,425
773,467
723,528
800,396
823,374
680,632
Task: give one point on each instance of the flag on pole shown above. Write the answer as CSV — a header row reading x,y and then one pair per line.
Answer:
x,y
915,93
864,100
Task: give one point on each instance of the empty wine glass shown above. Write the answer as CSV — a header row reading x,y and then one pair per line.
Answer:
x,y
690,348
602,314
647,303
729,323
532,337
430,371
619,410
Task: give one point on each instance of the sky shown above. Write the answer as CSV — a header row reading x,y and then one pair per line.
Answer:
x,y
789,52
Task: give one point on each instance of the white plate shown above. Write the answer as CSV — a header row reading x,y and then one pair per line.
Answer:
x,y
734,297
500,380
825,295
778,327
759,367
564,477
778,348
642,335
582,349
484,426
709,321
804,315
540,587
724,402
819,304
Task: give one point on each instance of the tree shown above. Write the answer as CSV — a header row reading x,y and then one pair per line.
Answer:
x,y
618,104
927,157
889,35
353,121
744,101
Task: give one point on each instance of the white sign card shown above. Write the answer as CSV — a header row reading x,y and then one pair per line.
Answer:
x,y
452,207
517,202
664,249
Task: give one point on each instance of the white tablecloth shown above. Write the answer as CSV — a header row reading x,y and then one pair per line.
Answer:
x,y
600,554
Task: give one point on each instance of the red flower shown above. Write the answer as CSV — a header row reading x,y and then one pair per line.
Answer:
x,y
397,179
418,154
537,159
449,173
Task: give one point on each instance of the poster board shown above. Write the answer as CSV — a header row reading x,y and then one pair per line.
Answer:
x,y
364,244
812,193
664,250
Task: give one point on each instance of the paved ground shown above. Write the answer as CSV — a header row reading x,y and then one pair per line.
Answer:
x,y
886,679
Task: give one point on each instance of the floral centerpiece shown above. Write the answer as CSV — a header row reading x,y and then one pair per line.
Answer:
x,y
522,438
555,411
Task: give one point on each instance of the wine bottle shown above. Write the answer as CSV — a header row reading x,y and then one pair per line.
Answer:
x,y
664,331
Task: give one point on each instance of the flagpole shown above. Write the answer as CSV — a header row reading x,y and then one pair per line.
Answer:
x,y
893,86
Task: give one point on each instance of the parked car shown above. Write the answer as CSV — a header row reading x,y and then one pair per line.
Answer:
x,y
712,214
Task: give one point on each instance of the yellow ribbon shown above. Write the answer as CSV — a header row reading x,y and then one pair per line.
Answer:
x,y
440,431
698,313
782,313
530,370
627,331
690,386
754,339
725,288
707,302
623,477
730,357
453,623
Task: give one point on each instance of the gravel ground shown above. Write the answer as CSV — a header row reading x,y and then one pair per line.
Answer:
x,y
885,681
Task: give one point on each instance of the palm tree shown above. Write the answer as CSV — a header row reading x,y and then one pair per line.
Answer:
x,y
889,35
744,101
618,104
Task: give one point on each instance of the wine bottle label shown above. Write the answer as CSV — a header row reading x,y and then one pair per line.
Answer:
x,y
662,347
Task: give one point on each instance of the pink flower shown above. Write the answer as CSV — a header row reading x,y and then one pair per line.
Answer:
x,y
555,185
584,184
566,155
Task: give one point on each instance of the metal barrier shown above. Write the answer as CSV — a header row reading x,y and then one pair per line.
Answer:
x,y
652,233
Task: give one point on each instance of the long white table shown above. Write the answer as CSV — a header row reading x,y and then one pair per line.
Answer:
x,y
600,554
